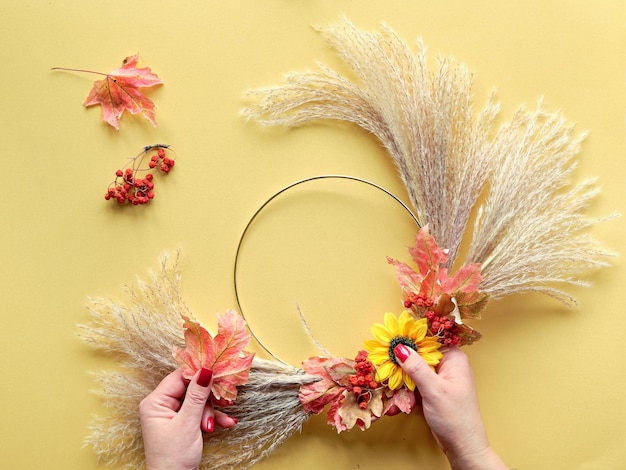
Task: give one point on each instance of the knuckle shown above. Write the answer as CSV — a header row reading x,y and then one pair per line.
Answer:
x,y
414,367
196,397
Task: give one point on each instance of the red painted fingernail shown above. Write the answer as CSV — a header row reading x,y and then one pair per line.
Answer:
x,y
235,420
402,352
205,376
210,424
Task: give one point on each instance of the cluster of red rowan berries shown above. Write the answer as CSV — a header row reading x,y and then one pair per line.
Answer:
x,y
362,383
418,300
128,186
440,324
444,327
159,160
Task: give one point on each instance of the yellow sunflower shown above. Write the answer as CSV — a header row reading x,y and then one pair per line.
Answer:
x,y
403,330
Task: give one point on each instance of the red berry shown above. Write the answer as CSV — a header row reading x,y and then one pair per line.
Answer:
x,y
139,190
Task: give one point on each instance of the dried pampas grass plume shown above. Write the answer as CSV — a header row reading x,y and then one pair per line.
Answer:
x,y
530,232
141,335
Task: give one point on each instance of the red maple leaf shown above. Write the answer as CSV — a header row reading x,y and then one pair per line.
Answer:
x,y
426,253
432,279
222,353
119,91
329,389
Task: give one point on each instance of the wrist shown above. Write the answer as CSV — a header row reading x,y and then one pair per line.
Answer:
x,y
161,467
486,459
168,465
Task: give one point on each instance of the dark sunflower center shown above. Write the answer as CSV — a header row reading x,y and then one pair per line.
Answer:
x,y
400,340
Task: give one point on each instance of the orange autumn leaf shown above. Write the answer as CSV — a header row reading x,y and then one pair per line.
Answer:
x,y
426,253
432,280
120,91
222,353
329,389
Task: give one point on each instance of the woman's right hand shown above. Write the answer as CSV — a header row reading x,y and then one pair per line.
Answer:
x,y
450,405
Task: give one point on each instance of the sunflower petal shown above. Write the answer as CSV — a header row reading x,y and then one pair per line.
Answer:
x,y
419,330
432,359
409,382
384,371
428,346
381,333
405,324
373,345
378,357
396,379
391,323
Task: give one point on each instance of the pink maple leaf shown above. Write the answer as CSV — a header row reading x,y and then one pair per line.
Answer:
x,y
426,253
222,353
329,389
403,399
432,281
466,279
407,277
119,91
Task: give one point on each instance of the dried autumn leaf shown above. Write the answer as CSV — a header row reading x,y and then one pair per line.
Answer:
x,y
471,303
119,91
341,371
433,281
315,396
407,277
352,414
426,253
333,417
223,353
430,287
466,279
403,399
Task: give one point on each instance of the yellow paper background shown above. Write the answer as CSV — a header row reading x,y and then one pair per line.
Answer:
x,y
550,379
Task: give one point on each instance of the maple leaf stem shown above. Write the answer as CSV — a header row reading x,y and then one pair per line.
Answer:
x,y
78,70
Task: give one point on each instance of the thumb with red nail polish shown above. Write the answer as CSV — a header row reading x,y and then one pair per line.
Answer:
x,y
172,432
402,352
197,395
204,377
